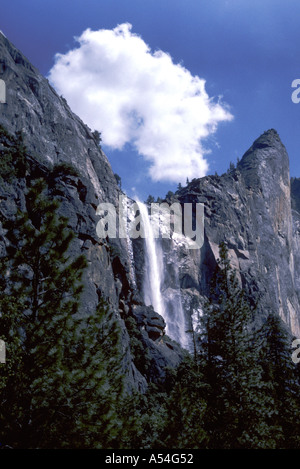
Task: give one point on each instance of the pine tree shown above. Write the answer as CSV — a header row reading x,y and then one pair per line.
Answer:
x,y
118,180
55,389
97,136
144,419
235,416
282,378
12,156
186,408
150,200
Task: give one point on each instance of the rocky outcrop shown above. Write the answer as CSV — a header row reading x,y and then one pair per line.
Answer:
x,y
251,209
53,135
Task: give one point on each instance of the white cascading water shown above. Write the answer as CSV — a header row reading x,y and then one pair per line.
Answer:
x,y
169,306
154,265
176,318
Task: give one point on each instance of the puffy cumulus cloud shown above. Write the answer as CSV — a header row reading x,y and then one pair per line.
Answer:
x,y
117,85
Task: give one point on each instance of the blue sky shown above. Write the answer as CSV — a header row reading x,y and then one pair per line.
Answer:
x,y
247,53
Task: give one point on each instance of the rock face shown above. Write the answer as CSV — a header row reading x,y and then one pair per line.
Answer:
x,y
53,134
250,208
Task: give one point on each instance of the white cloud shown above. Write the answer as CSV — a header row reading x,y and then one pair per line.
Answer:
x,y
118,86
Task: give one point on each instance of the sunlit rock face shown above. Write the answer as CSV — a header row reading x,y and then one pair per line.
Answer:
x,y
252,208
53,134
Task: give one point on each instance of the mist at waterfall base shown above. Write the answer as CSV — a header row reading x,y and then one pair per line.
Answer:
x,y
167,303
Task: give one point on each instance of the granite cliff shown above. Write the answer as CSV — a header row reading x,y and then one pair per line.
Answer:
x,y
255,209
54,135
251,207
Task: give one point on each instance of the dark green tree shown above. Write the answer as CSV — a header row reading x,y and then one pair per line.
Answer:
x,y
119,180
281,376
231,167
55,389
97,136
12,156
186,407
169,196
144,419
237,403
150,200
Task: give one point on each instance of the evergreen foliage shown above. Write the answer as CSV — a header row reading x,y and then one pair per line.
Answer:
x,y
118,180
60,384
186,407
282,377
240,388
12,156
150,199
140,355
97,136
64,169
236,399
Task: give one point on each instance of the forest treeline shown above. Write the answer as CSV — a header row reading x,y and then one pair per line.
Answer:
x,y
62,385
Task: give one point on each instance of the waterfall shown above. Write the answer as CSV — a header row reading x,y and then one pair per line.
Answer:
x,y
176,317
168,302
154,265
